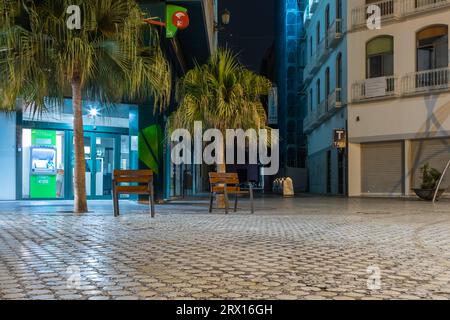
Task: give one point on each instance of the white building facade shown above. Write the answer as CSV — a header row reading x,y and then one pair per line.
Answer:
x,y
399,85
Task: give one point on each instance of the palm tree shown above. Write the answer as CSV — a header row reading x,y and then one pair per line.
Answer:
x,y
222,94
42,60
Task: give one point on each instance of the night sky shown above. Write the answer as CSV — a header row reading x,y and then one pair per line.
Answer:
x,y
251,29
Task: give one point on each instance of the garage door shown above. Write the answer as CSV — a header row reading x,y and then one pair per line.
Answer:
x,y
436,152
381,168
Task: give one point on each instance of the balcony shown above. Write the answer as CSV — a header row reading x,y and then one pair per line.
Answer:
x,y
313,4
390,9
309,122
426,81
334,100
321,52
323,111
375,89
307,17
411,7
335,33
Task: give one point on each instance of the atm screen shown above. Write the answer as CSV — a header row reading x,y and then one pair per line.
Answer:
x,y
43,160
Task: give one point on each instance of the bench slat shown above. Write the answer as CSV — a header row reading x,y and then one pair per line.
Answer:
x,y
132,189
133,173
230,190
229,178
144,179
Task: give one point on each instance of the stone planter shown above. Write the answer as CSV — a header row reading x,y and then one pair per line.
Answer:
x,y
428,194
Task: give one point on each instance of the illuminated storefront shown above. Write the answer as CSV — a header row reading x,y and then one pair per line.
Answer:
x,y
45,150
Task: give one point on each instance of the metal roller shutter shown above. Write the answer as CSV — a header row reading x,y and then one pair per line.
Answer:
x,y
434,151
381,166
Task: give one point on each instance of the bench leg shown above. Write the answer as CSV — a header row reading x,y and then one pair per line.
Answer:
x,y
151,199
235,202
211,200
227,203
252,208
116,203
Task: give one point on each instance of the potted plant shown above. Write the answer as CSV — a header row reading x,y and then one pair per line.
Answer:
x,y
430,179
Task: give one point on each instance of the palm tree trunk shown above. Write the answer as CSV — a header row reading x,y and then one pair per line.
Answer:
x,y
79,182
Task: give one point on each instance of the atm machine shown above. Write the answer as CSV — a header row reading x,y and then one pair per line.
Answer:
x,y
43,172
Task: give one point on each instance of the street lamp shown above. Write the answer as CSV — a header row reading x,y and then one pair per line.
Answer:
x,y
225,20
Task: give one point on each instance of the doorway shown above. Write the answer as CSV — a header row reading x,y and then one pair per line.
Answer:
x,y
102,156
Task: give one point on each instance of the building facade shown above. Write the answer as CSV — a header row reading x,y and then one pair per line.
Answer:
x,y
115,138
324,86
399,84
387,86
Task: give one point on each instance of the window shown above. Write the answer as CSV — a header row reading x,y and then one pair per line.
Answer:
x,y
318,91
327,23
432,48
380,57
327,83
311,98
338,9
318,33
339,70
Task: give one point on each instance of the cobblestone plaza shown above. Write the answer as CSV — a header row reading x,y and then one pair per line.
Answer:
x,y
302,248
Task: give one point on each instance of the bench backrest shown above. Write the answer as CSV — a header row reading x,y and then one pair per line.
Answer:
x,y
228,178
136,176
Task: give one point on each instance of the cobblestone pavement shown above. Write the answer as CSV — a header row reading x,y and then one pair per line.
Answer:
x,y
304,248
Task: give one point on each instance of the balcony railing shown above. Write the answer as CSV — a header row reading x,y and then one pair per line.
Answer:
x,y
334,100
375,88
426,81
335,33
323,111
308,73
395,9
389,9
321,50
315,60
409,7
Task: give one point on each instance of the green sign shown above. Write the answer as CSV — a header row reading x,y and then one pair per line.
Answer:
x,y
176,18
42,164
151,142
43,138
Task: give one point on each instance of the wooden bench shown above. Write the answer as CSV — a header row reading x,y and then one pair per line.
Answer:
x,y
144,179
228,183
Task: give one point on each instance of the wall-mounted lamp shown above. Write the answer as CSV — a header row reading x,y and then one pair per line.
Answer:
x,y
225,20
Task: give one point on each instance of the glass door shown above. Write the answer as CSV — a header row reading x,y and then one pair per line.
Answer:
x,y
106,152
102,157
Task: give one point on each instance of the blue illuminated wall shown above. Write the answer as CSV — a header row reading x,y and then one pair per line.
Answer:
x,y
290,64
